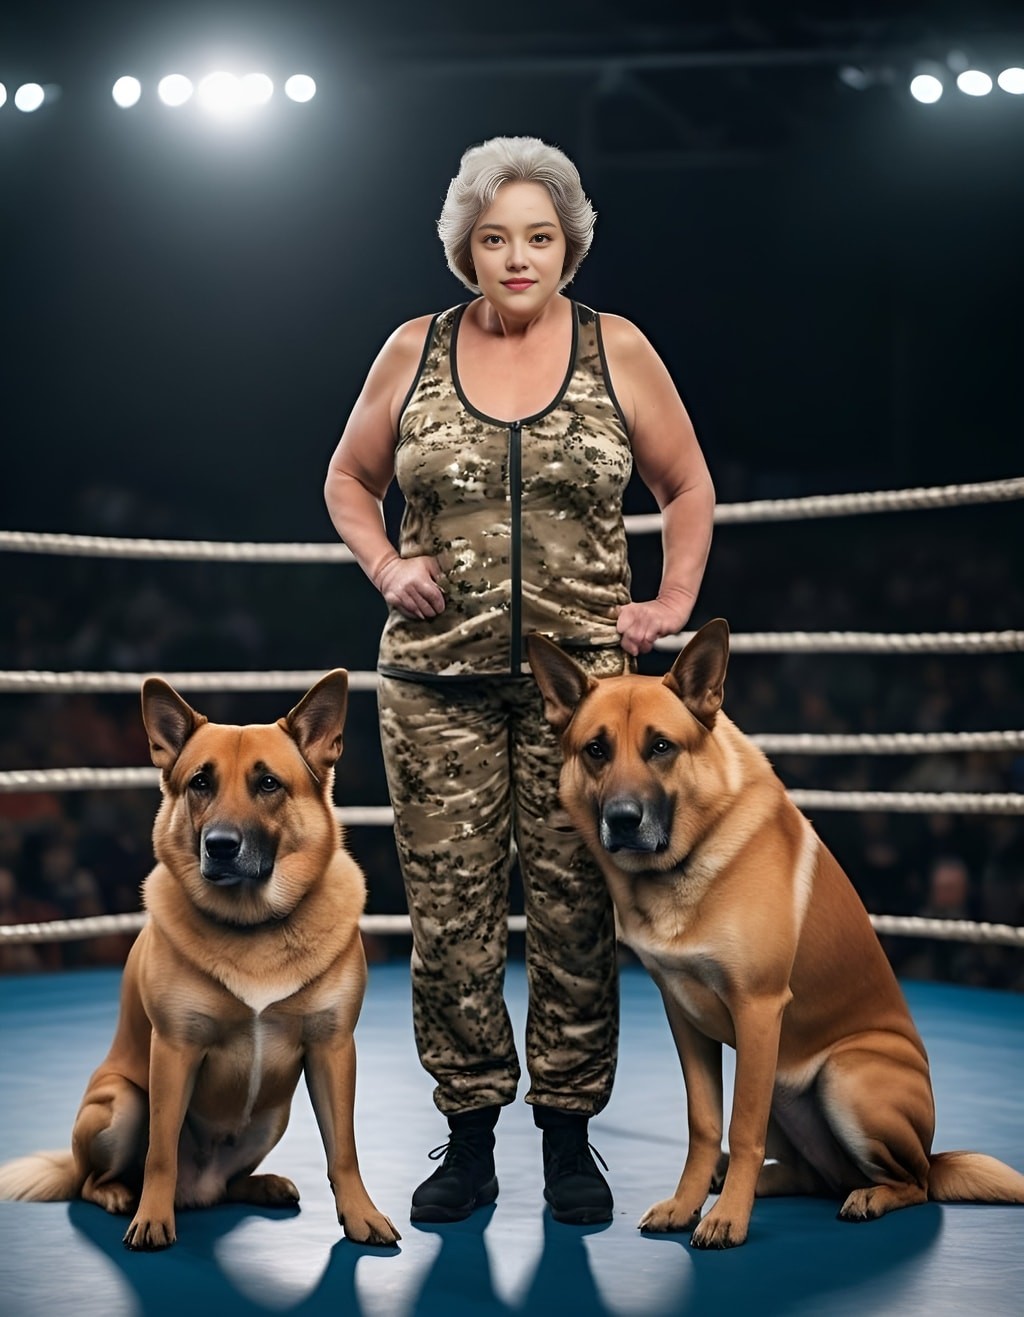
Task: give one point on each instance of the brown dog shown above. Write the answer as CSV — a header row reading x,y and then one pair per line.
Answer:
x,y
248,972
757,939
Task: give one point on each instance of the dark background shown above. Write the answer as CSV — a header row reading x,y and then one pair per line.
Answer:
x,y
187,312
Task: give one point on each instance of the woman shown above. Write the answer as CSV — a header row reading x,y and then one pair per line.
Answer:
x,y
512,423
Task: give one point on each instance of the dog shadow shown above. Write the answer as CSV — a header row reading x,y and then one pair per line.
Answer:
x,y
460,1282
191,1278
799,1257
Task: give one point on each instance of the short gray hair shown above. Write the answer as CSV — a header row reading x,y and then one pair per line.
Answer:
x,y
484,168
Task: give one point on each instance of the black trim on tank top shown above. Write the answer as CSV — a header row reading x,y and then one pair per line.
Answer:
x,y
607,373
428,343
453,366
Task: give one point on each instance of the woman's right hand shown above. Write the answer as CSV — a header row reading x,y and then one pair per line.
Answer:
x,y
410,585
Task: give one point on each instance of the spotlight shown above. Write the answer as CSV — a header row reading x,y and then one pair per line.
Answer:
x,y
220,93
300,87
856,77
126,92
174,90
3,94
1011,80
925,88
29,97
257,89
972,82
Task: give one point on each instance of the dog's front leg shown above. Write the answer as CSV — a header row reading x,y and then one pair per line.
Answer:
x,y
757,1024
331,1079
701,1060
172,1075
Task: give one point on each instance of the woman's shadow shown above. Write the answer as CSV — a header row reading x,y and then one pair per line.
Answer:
x,y
460,1283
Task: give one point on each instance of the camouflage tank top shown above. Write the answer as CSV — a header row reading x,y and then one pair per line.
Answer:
x,y
524,517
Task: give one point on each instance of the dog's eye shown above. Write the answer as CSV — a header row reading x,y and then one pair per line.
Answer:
x,y
269,784
200,782
595,749
661,746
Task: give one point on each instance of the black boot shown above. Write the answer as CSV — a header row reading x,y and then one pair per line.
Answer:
x,y
573,1186
465,1179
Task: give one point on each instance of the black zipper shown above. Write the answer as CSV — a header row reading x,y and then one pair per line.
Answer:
x,y
515,482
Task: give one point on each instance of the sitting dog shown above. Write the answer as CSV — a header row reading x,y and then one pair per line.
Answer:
x,y
756,939
248,972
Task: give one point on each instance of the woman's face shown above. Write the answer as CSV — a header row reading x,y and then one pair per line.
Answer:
x,y
518,249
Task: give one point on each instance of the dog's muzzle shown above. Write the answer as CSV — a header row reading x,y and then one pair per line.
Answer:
x,y
229,855
629,824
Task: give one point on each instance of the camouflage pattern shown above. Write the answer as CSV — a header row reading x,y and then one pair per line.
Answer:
x,y
471,767
452,465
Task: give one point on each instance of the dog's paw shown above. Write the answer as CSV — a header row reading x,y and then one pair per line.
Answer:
x,y
719,1231
115,1198
865,1204
370,1227
669,1215
264,1191
145,1236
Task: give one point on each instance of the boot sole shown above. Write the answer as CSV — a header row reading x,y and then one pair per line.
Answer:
x,y
485,1195
580,1216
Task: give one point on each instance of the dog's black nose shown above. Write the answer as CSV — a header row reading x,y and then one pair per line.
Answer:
x,y
222,843
623,815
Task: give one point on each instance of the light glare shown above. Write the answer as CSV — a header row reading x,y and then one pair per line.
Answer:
x,y
3,94
175,89
126,92
257,89
1012,80
926,88
29,97
220,93
972,82
300,87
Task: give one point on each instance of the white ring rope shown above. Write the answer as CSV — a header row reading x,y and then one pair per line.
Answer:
x,y
758,642
69,930
801,743
772,509
754,642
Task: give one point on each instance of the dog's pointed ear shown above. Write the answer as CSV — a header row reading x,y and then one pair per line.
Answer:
x,y
168,719
562,681
698,674
317,721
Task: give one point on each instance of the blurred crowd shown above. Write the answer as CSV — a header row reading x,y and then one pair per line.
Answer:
x,y
78,853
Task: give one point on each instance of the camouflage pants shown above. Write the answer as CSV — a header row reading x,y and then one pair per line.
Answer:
x,y
471,766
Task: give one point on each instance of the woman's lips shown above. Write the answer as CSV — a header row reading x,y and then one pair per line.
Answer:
x,y
516,285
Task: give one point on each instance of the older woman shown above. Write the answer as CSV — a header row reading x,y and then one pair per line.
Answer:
x,y
512,423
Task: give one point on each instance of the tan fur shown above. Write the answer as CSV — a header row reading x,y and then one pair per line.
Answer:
x,y
248,973
758,941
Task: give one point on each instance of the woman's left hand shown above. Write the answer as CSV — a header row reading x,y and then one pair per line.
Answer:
x,y
641,624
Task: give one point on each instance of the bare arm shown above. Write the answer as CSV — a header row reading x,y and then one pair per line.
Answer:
x,y
363,467
671,465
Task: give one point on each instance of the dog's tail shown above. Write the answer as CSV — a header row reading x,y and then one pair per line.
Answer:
x,y
44,1177
973,1177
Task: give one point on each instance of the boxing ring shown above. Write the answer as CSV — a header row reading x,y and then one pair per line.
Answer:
x,y
512,1258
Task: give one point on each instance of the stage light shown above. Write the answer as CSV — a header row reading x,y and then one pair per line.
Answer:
x,y
300,87
972,82
29,97
1012,80
126,92
257,89
925,88
3,94
174,90
220,93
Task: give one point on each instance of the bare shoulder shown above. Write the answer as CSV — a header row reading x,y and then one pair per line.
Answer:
x,y
405,344
621,337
